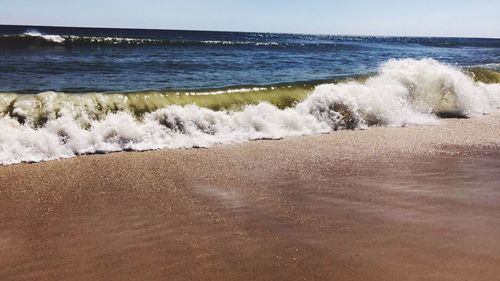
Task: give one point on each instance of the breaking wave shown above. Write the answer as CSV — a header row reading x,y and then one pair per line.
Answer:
x,y
404,92
48,38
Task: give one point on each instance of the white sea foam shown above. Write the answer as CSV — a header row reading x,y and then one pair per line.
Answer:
x,y
51,38
404,92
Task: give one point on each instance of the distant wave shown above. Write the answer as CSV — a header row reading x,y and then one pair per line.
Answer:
x,y
48,38
35,38
404,92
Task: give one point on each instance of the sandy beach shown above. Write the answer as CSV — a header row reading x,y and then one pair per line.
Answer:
x,y
415,203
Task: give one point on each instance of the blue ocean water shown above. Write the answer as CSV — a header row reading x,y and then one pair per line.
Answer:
x,y
35,59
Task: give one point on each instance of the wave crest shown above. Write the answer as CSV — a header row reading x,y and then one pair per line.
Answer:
x,y
48,38
404,92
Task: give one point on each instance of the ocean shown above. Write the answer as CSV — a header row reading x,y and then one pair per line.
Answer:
x,y
68,91
35,59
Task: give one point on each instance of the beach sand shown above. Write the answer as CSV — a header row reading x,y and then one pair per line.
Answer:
x,y
416,203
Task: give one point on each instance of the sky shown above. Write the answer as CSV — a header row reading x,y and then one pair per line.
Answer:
x,y
459,18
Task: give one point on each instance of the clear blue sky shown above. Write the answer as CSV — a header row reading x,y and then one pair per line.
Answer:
x,y
362,17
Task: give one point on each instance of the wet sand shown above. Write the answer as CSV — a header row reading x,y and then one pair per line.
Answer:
x,y
419,203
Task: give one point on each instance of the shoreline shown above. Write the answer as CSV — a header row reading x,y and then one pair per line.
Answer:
x,y
483,139
379,204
